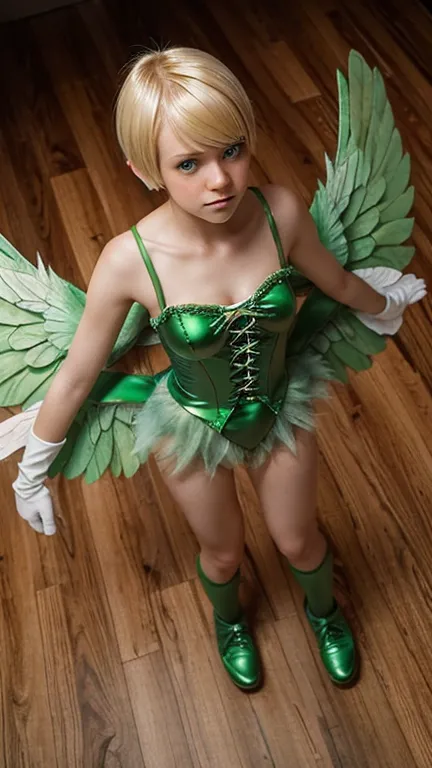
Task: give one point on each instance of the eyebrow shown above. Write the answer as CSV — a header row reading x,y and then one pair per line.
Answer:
x,y
194,152
188,154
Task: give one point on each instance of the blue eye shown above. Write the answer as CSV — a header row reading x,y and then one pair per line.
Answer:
x,y
187,166
232,152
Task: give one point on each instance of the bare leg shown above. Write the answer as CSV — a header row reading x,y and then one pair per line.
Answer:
x,y
213,512
287,489
212,509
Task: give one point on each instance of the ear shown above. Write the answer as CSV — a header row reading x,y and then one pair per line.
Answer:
x,y
138,174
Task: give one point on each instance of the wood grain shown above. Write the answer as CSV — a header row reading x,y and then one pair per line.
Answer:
x,y
107,649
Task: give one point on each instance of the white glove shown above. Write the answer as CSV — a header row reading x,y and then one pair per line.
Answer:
x,y
400,291
32,497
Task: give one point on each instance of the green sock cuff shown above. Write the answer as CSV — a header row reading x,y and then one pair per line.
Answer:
x,y
328,557
214,584
223,596
318,585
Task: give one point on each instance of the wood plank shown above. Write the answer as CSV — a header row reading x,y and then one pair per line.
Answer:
x,y
60,674
280,726
87,99
162,737
83,218
29,199
377,508
366,719
132,557
275,54
108,728
411,27
369,26
187,650
104,34
26,729
13,210
36,118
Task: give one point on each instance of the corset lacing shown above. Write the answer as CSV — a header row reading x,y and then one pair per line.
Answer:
x,y
244,339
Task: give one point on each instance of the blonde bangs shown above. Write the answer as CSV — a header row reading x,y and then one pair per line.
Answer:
x,y
200,98
204,116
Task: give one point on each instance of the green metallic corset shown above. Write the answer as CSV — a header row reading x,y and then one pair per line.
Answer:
x,y
228,362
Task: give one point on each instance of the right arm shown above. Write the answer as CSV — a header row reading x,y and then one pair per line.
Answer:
x,y
107,304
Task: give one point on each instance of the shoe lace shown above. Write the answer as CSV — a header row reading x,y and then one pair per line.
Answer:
x,y
334,632
237,637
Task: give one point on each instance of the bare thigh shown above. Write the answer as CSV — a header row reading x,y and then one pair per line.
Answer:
x,y
287,489
211,507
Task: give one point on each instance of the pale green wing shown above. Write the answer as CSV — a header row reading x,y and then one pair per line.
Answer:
x,y
100,438
360,214
39,315
102,435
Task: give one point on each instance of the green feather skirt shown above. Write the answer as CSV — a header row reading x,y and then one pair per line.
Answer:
x,y
164,427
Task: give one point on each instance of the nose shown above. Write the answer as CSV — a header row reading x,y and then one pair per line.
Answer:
x,y
217,177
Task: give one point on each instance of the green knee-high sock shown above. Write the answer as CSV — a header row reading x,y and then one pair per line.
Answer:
x,y
318,585
224,597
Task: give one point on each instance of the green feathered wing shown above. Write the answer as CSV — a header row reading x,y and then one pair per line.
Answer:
x,y
39,315
361,217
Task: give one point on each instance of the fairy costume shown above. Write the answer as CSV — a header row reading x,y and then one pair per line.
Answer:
x,y
228,369
243,376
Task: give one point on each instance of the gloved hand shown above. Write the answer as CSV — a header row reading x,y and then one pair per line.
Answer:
x,y
32,497
400,291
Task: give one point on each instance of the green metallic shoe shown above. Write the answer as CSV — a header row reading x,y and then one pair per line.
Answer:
x,y
336,644
238,652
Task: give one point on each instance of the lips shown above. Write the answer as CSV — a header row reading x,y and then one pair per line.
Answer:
x,y
221,200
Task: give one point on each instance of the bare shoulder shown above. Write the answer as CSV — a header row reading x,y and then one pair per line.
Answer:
x,y
288,209
120,264
116,254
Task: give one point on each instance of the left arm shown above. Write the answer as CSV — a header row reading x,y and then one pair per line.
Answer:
x,y
316,263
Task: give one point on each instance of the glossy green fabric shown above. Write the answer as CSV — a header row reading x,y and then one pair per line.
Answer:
x,y
336,645
238,652
116,387
228,362
228,365
165,427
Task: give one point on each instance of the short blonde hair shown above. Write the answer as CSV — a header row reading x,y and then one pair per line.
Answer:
x,y
200,97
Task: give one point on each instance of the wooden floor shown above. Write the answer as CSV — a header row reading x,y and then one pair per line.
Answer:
x,y
107,655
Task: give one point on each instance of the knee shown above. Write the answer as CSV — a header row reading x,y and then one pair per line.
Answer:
x,y
297,547
224,561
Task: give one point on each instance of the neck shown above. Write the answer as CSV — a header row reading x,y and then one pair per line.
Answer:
x,y
207,233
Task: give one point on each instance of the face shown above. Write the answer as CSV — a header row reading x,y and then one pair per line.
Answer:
x,y
200,182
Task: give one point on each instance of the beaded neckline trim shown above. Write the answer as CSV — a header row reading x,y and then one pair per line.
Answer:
x,y
204,309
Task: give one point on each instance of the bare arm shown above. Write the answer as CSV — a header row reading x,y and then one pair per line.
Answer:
x,y
315,262
106,308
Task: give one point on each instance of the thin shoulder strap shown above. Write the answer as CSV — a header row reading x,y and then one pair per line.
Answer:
x,y
272,224
150,268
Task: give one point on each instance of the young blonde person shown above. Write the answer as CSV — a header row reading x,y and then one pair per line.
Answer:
x,y
214,267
